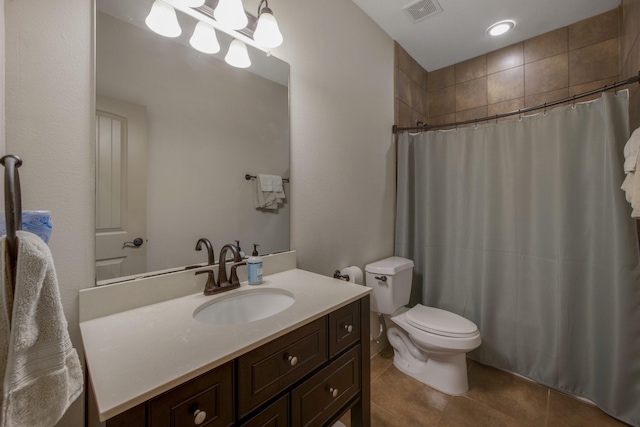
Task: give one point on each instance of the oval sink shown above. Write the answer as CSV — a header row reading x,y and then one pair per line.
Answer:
x,y
244,307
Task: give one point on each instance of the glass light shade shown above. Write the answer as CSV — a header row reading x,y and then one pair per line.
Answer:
x,y
238,55
267,33
204,38
231,13
192,3
501,27
163,20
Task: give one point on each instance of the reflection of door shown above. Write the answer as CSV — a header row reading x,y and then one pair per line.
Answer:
x,y
121,186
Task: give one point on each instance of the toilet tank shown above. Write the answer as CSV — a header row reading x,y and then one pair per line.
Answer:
x,y
390,279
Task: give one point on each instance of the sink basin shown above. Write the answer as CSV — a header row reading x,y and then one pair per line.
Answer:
x,y
244,307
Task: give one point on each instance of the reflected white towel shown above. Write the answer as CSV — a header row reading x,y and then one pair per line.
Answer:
x,y
631,149
269,191
42,374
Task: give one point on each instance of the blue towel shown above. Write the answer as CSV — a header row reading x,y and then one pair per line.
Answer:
x,y
36,222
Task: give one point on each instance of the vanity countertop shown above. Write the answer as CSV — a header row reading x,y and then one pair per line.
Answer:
x,y
137,354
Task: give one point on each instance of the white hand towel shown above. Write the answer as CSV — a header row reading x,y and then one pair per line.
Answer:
x,y
631,149
42,375
269,191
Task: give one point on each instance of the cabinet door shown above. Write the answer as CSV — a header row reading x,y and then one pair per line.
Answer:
x,y
320,397
267,370
204,401
275,415
344,328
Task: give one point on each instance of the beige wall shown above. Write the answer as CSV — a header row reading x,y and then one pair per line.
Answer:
x,y
342,153
48,115
342,166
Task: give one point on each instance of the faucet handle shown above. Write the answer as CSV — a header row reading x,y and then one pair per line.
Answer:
x,y
234,273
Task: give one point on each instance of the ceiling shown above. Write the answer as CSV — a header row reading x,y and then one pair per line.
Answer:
x,y
458,32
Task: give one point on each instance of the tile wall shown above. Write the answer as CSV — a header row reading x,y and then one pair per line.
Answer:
x,y
555,65
411,82
630,54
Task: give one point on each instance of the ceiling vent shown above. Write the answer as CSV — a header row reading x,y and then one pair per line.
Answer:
x,y
422,9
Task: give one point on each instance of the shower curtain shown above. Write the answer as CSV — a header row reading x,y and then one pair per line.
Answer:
x,y
521,227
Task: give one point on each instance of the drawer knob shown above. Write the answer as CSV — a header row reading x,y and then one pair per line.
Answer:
x,y
199,417
349,328
334,392
293,361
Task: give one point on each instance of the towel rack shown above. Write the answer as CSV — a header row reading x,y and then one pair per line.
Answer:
x,y
12,207
249,177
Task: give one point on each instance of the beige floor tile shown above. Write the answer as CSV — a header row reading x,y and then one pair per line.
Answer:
x,y
410,401
566,411
378,366
522,400
464,412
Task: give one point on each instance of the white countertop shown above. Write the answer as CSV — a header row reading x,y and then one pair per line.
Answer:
x,y
137,354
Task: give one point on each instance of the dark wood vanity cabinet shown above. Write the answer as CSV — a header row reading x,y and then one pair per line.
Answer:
x,y
306,378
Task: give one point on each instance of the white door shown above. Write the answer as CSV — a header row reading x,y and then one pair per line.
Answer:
x,y
121,186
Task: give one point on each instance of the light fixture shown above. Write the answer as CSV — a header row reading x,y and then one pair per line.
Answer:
x,y
163,20
204,38
501,27
193,3
231,13
238,55
267,33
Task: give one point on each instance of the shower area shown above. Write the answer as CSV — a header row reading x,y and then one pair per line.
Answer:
x,y
519,223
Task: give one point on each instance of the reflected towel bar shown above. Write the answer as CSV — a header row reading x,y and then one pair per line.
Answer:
x,y
250,177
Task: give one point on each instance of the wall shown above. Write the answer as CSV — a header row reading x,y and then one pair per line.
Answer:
x,y
554,65
48,117
411,89
630,54
342,152
342,157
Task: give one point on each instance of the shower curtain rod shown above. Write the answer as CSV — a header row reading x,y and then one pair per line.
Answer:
x,y
427,127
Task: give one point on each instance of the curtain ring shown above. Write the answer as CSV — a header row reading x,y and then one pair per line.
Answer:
x,y
519,115
496,119
573,106
544,112
476,125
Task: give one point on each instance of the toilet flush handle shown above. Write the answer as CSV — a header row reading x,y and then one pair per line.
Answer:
x,y
381,278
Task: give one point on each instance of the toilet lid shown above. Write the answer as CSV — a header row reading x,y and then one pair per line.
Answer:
x,y
440,322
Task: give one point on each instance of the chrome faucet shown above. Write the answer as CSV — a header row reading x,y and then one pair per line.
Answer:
x,y
210,257
223,284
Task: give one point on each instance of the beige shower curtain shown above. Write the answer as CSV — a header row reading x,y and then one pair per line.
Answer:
x,y
521,227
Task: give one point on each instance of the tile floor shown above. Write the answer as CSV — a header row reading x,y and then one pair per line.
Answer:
x,y
495,399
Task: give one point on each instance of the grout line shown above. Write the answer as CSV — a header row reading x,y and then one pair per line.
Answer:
x,y
546,421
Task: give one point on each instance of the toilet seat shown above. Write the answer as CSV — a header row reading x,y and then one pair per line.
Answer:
x,y
440,322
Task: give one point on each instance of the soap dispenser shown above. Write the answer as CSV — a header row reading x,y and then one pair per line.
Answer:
x,y
254,266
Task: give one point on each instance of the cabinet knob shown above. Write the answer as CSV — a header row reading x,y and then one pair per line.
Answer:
x,y
334,392
349,328
293,361
199,417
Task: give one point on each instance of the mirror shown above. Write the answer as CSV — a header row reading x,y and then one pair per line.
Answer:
x,y
176,132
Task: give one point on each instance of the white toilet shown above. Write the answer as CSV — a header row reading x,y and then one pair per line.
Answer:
x,y
430,344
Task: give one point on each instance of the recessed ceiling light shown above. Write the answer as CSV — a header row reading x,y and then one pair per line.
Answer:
x,y
501,27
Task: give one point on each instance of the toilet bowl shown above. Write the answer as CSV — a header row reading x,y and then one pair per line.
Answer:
x,y
429,343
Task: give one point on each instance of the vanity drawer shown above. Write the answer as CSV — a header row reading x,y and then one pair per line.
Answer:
x,y
275,415
267,370
322,395
211,393
344,328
